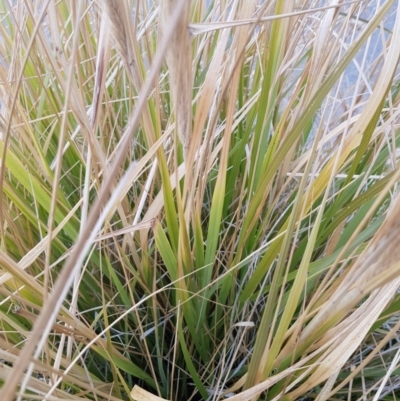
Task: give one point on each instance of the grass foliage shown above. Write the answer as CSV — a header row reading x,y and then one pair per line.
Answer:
x,y
199,198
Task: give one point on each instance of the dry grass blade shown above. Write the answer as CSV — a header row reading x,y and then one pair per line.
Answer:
x,y
139,394
179,61
123,34
347,337
200,28
381,255
140,226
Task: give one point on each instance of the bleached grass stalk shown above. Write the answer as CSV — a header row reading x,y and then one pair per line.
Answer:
x,y
337,176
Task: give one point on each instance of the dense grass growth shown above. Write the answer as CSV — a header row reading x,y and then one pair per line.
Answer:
x,y
199,198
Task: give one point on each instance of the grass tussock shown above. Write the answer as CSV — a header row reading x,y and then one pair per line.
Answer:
x,y
199,198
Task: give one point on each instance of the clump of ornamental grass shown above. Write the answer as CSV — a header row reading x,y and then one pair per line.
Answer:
x,y
199,200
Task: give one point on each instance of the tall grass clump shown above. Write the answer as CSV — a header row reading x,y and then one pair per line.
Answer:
x,y
199,200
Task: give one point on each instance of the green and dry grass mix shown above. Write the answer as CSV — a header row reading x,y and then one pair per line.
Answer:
x,y
199,200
